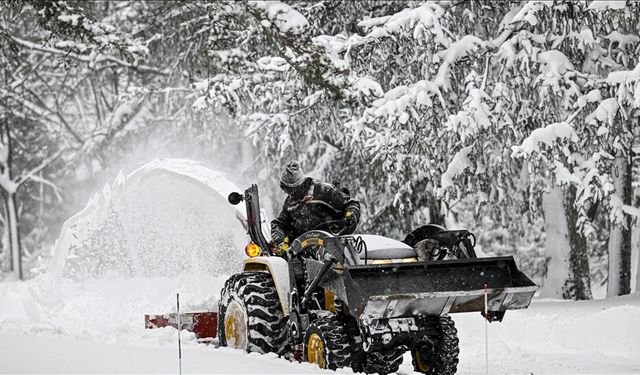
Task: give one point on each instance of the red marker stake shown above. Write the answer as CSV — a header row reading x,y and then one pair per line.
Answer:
x,y
486,328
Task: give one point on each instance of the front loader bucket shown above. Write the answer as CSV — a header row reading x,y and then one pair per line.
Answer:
x,y
437,288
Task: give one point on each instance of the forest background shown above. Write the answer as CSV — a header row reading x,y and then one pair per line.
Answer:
x,y
516,120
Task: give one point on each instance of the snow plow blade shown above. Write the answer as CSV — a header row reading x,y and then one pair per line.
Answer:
x,y
438,288
203,324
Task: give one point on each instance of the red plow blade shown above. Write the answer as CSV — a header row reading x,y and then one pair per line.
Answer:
x,y
203,324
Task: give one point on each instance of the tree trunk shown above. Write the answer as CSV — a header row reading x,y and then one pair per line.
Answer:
x,y
620,235
435,211
635,238
6,260
578,284
556,244
14,235
568,274
10,207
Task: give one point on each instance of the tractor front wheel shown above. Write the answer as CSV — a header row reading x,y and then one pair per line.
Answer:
x,y
385,362
440,357
249,314
326,344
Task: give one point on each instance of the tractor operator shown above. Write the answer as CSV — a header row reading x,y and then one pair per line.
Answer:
x,y
308,205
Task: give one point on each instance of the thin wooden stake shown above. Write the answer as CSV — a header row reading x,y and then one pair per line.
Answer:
x,y
486,328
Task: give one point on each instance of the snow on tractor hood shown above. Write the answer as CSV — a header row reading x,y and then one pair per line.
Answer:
x,y
167,217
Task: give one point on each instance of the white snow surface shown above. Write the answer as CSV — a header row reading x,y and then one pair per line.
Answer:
x,y
69,323
551,337
379,247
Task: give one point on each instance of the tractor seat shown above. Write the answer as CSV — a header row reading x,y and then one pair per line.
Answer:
x,y
382,248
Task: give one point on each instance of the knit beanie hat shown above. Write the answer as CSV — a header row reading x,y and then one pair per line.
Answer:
x,y
292,175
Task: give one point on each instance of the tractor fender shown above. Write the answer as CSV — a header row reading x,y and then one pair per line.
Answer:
x,y
279,270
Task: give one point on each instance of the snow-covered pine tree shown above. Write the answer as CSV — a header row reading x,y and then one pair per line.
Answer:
x,y
598,44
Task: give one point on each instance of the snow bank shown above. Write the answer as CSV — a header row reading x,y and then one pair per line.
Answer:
x,y
106,310
556,337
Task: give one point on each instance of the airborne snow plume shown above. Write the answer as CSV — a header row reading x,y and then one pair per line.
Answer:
x,y
168,217
165,228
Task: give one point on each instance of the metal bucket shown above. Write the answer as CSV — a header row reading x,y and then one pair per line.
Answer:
x,y
436,288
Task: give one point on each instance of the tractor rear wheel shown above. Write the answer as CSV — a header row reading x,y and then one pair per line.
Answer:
x,y
249,314
441,357
326,344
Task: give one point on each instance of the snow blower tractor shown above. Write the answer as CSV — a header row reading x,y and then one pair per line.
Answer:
x,y
362,300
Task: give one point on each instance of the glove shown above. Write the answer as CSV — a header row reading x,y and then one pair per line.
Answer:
x,y
351,221
281,247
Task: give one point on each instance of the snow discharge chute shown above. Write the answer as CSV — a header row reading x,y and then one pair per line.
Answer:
x,y
168,217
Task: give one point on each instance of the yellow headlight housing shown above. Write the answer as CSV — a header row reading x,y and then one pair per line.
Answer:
x,y
252,250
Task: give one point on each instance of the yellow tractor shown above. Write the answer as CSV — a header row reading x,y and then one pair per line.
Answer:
x,y
362,301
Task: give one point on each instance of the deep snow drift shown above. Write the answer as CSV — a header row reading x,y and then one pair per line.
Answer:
x,y
167,228
594,337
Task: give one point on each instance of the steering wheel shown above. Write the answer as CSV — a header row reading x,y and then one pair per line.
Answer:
x,y
331,225
334,227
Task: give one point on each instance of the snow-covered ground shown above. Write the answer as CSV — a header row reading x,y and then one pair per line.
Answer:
x,y
101,331
557,337
93,321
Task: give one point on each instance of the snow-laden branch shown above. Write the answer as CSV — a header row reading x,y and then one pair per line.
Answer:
x,y
92,60
286,19
310,58
422,22
458,165
547,135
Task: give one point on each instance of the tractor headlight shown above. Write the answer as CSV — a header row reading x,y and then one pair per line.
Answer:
x,y
252,250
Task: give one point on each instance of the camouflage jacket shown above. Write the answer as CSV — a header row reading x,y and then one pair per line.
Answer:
x,y
323,202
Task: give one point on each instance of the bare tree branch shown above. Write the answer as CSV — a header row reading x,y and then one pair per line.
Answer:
x,y
54,187
45,163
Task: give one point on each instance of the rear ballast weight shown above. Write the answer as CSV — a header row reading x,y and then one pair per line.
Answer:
x,y
364,300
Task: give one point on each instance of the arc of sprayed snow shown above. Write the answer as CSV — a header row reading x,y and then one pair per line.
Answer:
x,y
85,222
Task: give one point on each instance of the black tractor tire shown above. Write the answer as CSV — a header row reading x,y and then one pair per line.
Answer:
x,y
385,362
254,295
443,358
332,333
